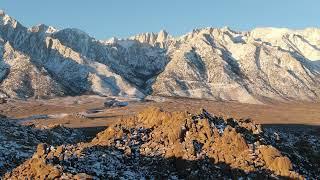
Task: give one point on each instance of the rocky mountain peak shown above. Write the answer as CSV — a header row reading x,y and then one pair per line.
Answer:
x,y
2,12
43,28
152,38
6,19
162,36
212,63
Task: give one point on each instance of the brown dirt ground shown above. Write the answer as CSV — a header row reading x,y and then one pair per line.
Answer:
x,y
272,113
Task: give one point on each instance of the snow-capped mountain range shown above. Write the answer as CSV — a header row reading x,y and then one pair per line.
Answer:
x,y
213,63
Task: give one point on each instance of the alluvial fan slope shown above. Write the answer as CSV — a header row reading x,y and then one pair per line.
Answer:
x,y
213,63
173,145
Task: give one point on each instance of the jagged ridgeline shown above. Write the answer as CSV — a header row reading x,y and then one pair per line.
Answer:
x,y
219,64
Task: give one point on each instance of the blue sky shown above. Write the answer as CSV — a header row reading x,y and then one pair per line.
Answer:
x,y
122,18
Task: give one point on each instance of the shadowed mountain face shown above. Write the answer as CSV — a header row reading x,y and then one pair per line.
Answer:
x,y
220,64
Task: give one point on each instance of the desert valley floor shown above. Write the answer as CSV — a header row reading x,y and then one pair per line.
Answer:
x,y
89,111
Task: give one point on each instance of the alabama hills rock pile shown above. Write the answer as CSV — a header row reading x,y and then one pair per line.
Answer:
x,y
301,145
18,143
172,145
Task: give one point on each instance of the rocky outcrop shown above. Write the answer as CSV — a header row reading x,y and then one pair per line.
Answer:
x,y
3,100
299,144
159,144
18,143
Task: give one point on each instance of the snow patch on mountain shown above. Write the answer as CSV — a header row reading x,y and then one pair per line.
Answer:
x,y
213,63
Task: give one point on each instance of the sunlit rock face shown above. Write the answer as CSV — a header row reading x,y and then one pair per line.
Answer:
x,y
167,145
220,64
242,66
